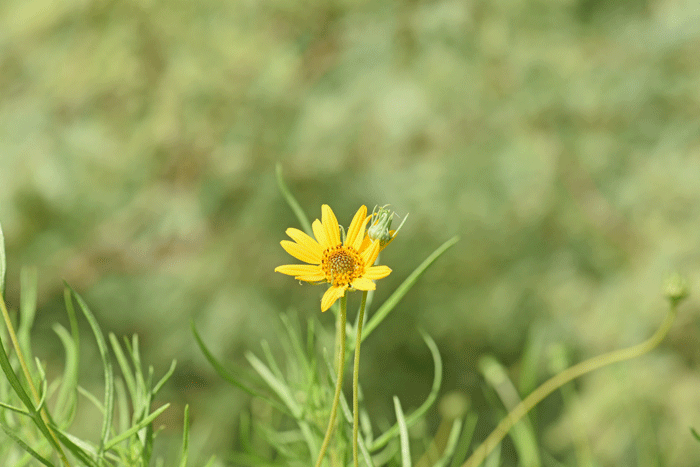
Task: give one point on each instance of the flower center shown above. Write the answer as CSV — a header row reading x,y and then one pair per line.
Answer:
x,y
341,265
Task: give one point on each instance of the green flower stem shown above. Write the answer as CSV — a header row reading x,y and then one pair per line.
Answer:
x,y
355,381
30,382
339,382
557,381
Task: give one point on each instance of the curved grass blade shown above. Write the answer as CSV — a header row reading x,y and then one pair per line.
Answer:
x,y
403,434
10,433
405,286
164,379
107,365
291,201
420,411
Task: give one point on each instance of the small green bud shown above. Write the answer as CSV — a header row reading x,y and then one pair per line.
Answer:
x,y
676,288
380,225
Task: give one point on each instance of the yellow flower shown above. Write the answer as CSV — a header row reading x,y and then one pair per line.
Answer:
x,y
343,265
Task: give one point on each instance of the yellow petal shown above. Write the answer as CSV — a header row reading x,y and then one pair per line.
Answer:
x,y
304,240
331,295
366,242
300,252
377,272
355,226
312,277
369,256
362,283
298,269
320,235
330,225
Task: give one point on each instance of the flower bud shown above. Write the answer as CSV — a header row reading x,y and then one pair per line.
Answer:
x,y
676,288
380,225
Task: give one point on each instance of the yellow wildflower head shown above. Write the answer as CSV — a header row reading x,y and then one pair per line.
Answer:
x,y
344,265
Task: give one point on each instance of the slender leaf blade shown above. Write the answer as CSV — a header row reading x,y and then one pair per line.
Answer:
x,y
107,366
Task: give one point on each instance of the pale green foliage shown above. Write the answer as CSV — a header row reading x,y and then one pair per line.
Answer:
x,y
127,431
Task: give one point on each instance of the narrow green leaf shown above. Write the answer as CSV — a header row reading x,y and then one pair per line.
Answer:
x,y
66,398
107,366
123,365
292,202
271,362
405,286
79,448
695,433
420,411
522,433
164,379
27,309
403,434
72,317
122,405
530,360
465,440
452,440
185,437
24,397
295,340
3,263
119,438
11,433
275,384
15,409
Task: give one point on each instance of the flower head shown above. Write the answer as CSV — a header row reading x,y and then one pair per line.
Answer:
x,y
345,265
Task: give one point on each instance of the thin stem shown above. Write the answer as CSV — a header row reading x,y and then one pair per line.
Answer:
x,y
557,381
339,382
355,381
28,376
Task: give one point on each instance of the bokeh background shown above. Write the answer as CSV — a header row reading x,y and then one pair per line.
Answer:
x,y
560,139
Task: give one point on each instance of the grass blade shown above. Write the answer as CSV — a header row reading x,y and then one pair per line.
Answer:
x,y
164,379
27,309
522,433
275,384
123,365
119,438
465,440
106,364
185,437
405,286
452,440
66,399
10,433
292,202
403,434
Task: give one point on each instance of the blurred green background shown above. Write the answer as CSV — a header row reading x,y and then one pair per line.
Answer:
x,y
559,139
